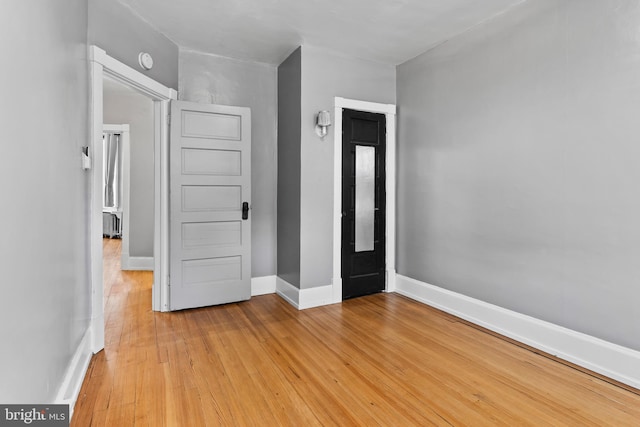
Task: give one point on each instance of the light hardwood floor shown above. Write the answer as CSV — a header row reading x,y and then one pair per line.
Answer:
x,y
379,360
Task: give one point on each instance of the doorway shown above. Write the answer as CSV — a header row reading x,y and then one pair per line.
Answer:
x,y
115,174
101,66
128,124
389,111
363,203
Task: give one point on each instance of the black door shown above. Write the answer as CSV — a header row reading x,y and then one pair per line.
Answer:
x,y
363,203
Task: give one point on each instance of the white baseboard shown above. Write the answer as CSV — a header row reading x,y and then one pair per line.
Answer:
x,y
316,297
76,371
612,360
136,263
263,285
288,292
304,298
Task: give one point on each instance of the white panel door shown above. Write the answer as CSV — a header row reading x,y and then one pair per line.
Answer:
x,y
210,196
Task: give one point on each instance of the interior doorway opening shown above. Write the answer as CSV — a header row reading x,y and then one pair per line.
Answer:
x,y
101,66
389,110
115,175
363,203
128,165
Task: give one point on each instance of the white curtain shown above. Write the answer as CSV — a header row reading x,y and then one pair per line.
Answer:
x,y
112,171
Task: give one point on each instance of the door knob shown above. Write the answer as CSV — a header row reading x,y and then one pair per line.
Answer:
x,y
245,210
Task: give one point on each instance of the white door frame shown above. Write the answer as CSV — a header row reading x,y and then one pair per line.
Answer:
x,y
389,110
102,65
123,131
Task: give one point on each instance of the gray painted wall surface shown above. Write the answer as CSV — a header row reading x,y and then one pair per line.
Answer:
x,y
289,110
213,79
518,165
137,111
326,75
46,300
116,28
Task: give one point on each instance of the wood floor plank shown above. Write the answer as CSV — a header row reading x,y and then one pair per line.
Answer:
x,y
378,360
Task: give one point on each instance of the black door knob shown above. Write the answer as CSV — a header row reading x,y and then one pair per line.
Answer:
x,y
245,210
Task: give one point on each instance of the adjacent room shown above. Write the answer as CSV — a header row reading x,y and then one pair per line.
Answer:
x,y
409,212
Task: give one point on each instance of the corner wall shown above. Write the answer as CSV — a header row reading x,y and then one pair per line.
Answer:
x,y
289,104
518,148
325,75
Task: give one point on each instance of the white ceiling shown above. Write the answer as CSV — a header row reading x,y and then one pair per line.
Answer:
x,y
390,31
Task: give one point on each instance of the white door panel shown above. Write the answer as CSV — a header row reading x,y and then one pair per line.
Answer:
x,y
209,124
197,161
210,245
214,234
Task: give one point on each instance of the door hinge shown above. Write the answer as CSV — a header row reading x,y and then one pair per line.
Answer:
x,y
169,119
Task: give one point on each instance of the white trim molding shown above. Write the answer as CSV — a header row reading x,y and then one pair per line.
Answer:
x,y
130,77
612,360
288,292
74,376
263,285
137,263
304,298
389,110
101,66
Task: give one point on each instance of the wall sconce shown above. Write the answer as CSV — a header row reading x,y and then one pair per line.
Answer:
x,y
323,121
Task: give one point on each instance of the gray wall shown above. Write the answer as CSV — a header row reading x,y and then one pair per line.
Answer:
x,y
46,300
518,165
289,129
117,29
218,80
326,75
129,107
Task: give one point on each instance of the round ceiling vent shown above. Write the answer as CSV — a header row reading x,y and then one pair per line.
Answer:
x,y
145,60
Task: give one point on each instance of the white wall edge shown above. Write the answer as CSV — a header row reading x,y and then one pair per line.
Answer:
x,y
76,371
95,206
612,360
263,285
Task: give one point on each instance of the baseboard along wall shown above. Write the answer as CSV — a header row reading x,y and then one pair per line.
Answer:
x,y
619,363
614,361
137,263
304,298
263,285
76,371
